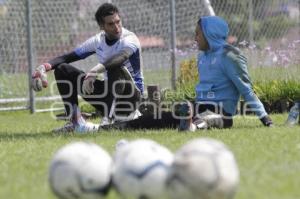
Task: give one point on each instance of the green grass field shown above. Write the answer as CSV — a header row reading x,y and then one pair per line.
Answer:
x,y
268,158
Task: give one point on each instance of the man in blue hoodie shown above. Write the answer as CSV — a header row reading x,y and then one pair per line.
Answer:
x,y
223,77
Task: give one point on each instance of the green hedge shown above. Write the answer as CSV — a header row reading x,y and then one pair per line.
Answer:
x,y
269,92
276,90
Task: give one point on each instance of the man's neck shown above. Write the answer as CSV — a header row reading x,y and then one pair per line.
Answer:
x,y
110,42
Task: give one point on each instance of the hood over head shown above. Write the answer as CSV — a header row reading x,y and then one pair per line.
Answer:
x,y
215,30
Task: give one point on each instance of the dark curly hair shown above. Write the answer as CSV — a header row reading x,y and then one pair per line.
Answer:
x,y
104,10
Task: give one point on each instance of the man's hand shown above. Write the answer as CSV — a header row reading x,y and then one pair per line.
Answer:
x,y
39,77
88,82
266,120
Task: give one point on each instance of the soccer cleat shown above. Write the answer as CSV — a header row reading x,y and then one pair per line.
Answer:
x,y
116,125
214,121
67,128
106,121
86,127
208,119
200,124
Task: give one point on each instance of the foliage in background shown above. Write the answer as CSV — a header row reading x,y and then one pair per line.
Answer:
x,y
185,86
188,78
276,90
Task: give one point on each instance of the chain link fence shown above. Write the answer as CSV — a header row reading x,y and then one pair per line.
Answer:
x,y
265,30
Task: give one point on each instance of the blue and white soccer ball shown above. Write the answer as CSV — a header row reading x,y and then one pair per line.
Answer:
x,y
121,143
80,170
203,168
141,168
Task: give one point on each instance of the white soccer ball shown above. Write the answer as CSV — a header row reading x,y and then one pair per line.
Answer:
x,y
80,170
141,168
121,143
203,169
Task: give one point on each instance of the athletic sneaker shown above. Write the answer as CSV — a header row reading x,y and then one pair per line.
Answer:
x,y
67,128
200,123
86,127
208,120
106,121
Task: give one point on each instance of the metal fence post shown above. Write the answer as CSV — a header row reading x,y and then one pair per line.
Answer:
x,y
29,55
173,42
253,53
209,8
250,22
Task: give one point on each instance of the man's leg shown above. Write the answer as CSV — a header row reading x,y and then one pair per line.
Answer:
x,y
68,78
101,98
148,121
123,92
103,95
106,92
167,120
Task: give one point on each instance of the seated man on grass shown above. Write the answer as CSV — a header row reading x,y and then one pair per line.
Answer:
x,y
223,78
119,54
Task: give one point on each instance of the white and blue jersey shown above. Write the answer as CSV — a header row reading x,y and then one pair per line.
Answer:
x,y
128,40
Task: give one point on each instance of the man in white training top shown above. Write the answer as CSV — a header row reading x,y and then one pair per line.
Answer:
x,y
119,55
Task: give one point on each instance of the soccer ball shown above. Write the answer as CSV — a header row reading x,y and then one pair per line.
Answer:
x,y
141,168
203,168
80,170
121,143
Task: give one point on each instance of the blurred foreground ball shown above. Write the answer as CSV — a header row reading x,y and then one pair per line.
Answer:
x,y
141,168
203,169
80,170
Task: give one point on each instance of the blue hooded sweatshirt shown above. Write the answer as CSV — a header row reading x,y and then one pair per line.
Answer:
x,y
223,70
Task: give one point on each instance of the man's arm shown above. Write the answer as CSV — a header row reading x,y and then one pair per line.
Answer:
x,y
66,58
52,64
84,50
118,59
112,63
236,70
39,77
